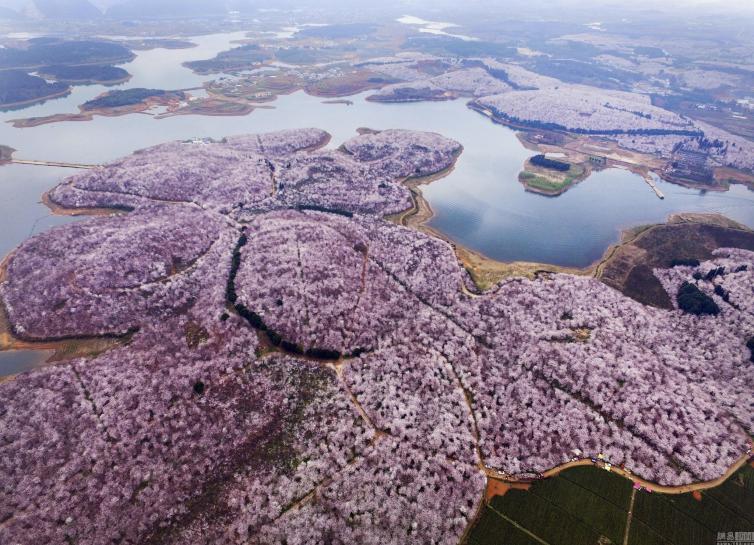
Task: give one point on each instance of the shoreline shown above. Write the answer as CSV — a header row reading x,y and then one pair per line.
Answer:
x,y
173,108
32,101
59,210
408,100
171,104
559,129
62,349
246,110
616,156
68,348
735,176
106,83
30,122
487,272
85,81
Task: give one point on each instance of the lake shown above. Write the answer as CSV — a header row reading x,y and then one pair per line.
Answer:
x,y
480,204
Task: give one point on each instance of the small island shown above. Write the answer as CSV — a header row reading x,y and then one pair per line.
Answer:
x,y
112,104
132,98
552,177
53,51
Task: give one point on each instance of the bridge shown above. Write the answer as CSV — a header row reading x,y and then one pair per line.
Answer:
x,y
51,163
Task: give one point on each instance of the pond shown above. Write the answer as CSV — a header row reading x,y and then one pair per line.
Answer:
x,y
13,362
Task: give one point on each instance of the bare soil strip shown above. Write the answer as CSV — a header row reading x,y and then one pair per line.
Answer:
x,y
654,487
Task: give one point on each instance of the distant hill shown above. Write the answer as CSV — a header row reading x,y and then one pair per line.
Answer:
x,y
142,9
51,52
84,74
18,87
166,8
67,9
176,9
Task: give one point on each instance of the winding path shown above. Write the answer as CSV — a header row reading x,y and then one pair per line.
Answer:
x,y
654,487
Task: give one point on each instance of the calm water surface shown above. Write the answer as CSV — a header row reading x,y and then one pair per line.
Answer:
x,y
480,204
18,361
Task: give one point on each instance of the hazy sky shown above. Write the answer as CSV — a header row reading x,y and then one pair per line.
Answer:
x,y
683,7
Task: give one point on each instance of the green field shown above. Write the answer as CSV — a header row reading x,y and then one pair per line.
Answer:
x,y
589,506
681,519
536,181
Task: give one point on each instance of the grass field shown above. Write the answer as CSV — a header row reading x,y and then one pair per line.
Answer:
x,y
551,182
589,506
539,182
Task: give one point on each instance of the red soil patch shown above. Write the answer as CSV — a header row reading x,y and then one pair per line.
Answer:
x,y
499,488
